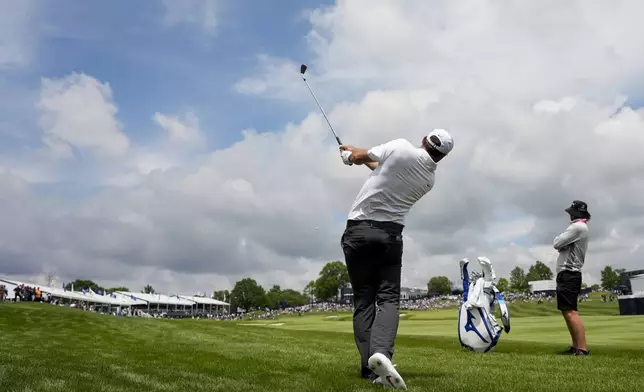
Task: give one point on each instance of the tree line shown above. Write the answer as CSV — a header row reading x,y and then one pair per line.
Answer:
x,y
248,294
518,280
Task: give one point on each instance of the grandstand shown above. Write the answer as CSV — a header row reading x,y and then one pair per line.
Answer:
x,y
625,285
637,284
122,299
633,303
544,287
407,293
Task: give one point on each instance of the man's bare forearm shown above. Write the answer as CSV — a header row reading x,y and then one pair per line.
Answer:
x,y
372,165
360,156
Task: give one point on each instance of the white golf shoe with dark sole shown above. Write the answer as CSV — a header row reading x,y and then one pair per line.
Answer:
x,y
382,366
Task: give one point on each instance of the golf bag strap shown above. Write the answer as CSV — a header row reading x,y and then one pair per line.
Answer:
x,y
505,314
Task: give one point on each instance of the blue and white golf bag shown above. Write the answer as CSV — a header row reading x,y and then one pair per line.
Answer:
x,y
478,329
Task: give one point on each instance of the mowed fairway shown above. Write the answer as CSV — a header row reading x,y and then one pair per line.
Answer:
x,y
46,348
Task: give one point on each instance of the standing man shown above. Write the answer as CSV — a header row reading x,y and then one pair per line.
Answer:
x,y
373,244
572,245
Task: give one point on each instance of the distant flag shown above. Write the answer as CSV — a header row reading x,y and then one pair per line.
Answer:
x,y
83,291
64,286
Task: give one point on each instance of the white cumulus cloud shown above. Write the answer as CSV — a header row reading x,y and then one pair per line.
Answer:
x,y
180,130
77,111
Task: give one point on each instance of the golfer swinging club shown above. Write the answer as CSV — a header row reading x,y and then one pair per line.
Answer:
x,y
373,244
572,244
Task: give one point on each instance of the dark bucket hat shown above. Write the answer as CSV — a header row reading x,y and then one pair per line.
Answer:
x,y
578,209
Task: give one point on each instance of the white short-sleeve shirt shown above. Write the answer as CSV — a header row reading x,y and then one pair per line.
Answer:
x,y
405,173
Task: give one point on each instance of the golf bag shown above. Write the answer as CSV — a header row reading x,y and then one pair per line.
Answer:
x,y
478,329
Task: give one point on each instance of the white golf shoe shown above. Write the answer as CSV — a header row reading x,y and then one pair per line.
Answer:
x,y
379,381
388,375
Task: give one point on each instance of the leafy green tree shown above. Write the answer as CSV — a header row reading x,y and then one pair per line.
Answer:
x,y
221,295
584,286
503,285
285,298
113,289
294,298
610,277
148,289
595,287
80,284
518,281
539,271
439,285
248,294
274,296
309,290
332,276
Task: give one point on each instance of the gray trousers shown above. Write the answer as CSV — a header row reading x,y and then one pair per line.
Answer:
x,y
373,255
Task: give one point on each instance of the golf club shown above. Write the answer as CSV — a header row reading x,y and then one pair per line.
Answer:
x,y
303,68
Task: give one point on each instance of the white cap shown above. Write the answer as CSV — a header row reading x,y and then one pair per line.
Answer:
x,y
444,144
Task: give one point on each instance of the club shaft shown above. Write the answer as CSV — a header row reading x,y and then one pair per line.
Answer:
x,y
322,110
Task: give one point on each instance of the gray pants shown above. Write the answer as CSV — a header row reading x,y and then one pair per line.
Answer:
x,y
373,254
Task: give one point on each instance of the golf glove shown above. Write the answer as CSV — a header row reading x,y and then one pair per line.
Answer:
x,y
345,157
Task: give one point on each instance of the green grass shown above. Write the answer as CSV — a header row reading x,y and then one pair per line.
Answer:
x,y
47,348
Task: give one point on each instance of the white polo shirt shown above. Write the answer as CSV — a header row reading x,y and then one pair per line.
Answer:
x,y
405,173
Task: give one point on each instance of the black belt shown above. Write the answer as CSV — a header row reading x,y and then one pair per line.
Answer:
x,y
376,224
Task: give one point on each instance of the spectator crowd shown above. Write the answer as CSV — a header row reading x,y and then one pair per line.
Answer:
x,y
22,293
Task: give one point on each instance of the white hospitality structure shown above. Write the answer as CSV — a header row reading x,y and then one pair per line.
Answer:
x,y
124,299
633,304
103,302
637,284
543,286
203,301
407,293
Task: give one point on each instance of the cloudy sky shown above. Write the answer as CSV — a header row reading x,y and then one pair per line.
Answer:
x,y
173,142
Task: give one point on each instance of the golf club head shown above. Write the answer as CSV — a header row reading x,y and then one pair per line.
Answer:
x,y
303,69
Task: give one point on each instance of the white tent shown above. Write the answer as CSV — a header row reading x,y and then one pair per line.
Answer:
x,y
159,299
542,285
88,296
60,293
91,296
160,302
203,302
128,298
124,298
637,284
54,292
